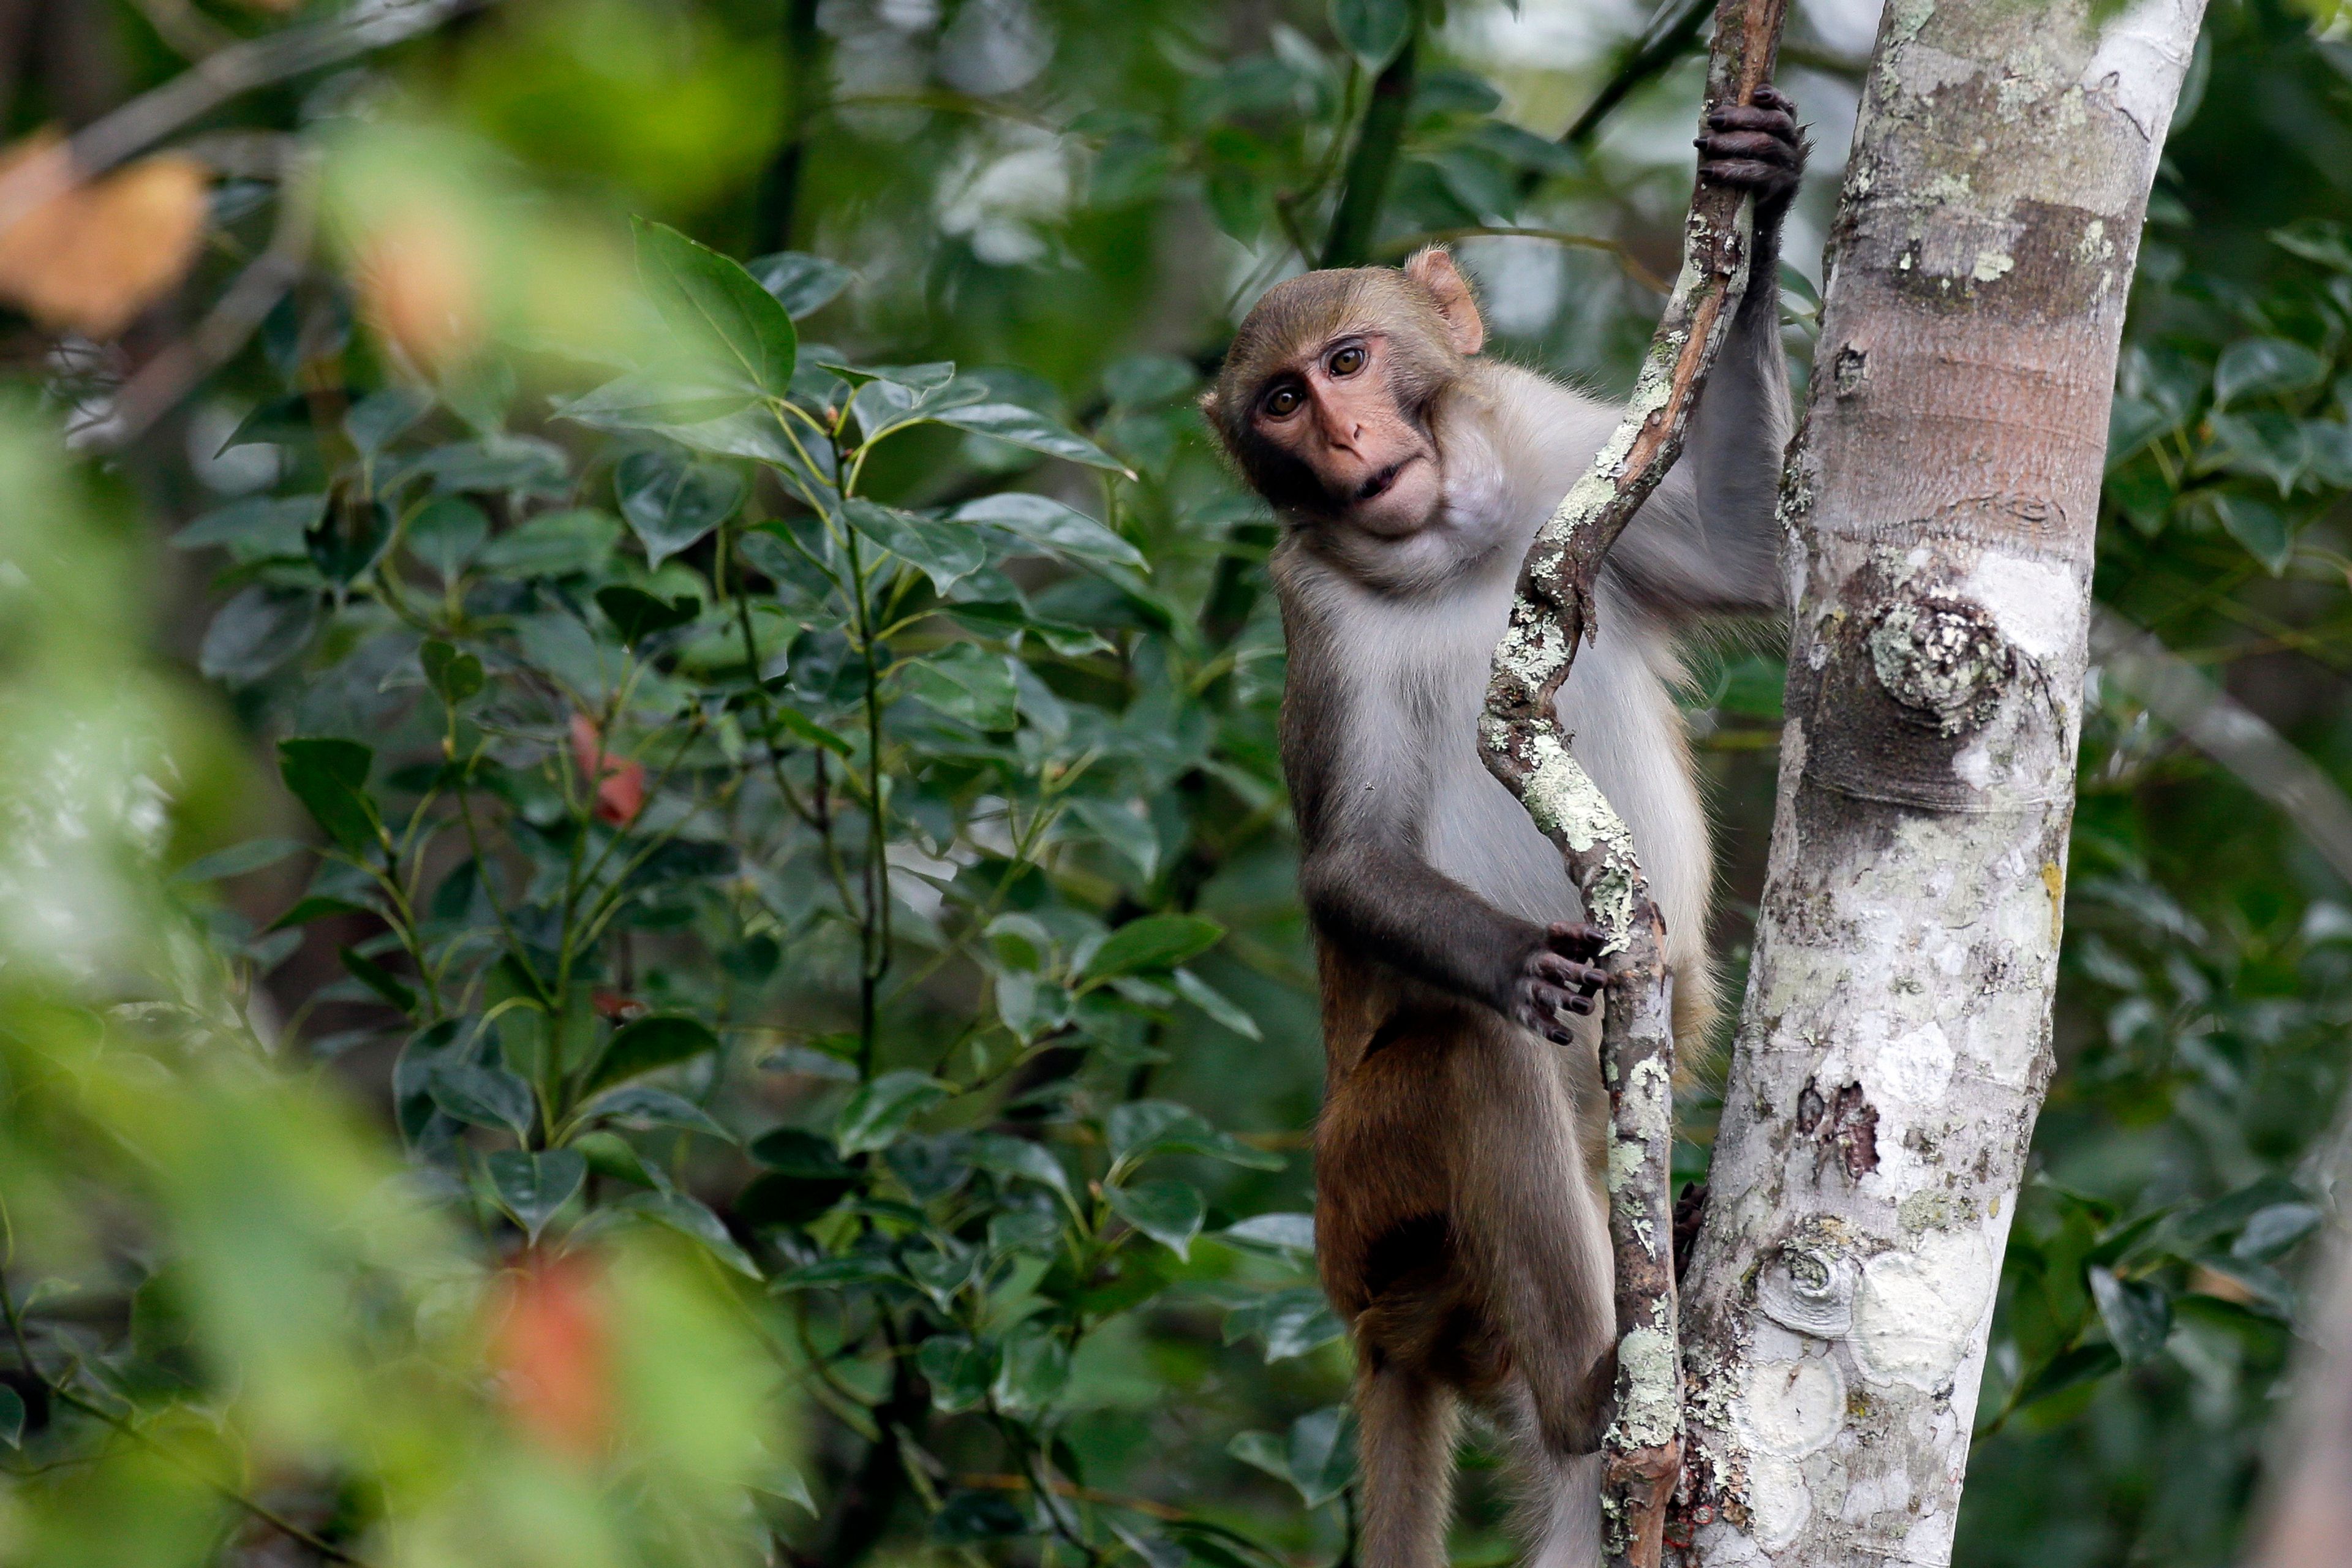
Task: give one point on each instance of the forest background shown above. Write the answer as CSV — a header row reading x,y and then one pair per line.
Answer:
x,y
648,913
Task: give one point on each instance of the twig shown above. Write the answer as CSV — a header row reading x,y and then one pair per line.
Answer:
x,y
176,371
218,78
1366,186
1524,746
64,1394
1634,270
189,32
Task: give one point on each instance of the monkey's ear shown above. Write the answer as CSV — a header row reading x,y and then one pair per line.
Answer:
x,y
1434,269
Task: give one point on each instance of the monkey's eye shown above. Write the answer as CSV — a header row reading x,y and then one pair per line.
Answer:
x,y
1346,361
1283,402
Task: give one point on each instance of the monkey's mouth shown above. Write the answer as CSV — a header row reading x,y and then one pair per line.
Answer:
x,y
1380,483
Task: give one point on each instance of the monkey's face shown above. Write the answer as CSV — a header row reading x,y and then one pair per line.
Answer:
x,y
1339,418
1329,394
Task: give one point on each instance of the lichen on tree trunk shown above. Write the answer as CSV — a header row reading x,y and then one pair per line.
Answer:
x,y
1940,506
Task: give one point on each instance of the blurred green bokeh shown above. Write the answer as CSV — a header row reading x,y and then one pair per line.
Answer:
x,y
763,1016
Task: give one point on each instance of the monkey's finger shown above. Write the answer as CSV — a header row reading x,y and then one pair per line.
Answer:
x,y
1575,939
1569,975
1764,179
1756,144
1770,97
1769,122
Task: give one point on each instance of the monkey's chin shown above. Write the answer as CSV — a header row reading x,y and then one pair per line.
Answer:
x,y
1405,505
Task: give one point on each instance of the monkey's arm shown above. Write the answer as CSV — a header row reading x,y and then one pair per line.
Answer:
x,y
1381,899
1708,542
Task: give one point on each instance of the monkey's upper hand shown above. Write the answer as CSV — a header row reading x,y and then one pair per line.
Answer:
x,y
1759,149
1558,973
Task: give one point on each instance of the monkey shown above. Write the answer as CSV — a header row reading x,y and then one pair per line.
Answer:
x,y
1461,1227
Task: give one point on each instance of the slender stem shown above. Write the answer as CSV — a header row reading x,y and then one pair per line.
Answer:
x,y
64,1394
1366,186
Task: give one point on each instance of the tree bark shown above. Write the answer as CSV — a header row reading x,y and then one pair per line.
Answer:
x,y
1941,503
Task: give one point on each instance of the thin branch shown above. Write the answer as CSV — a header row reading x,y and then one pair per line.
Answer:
x,y
1664,40
1396,249
1365,188
220,76
176,371
2258,756
1525,746
188,32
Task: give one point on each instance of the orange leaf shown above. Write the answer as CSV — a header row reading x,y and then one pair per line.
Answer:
x,y
420,288
620,783
89,256
551,1348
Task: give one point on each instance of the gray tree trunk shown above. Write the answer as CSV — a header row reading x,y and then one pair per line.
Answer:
x,y
1895,1041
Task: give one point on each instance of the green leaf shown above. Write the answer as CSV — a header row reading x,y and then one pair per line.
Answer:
x,y
1140,379
2328,445
1372,30
946,552
2316,239
647,1045
1318,1458
801,283
349,539
965,681
642,1105
712,302
693,1218
383,417
378,979
2263,367
656,400
483,1096
12,1416
773,1199
971,1518
2263,445
2136,1312
317,907
1034,1370
455,677
1216,1005
533,1186
2261,528
2084,1363
1152,942
447,535
1142,1128
879,1112
258,528
673,501
1058,529
239,859
1005,1155
1025,427
258,630
957,1370
2271,1232
554,544
1169,1212
801,727
637,615
329,776
795,1152
1293,1323
1287,1233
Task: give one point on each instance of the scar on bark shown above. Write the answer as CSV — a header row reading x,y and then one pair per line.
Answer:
x,y
1846,1123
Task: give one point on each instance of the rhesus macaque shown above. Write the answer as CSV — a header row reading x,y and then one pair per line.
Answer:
x,y
1462,1223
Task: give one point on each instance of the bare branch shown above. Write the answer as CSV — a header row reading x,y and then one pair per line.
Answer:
x,y
1525,747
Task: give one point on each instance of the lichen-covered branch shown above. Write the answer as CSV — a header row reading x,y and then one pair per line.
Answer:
x,y
1524,746
1940,506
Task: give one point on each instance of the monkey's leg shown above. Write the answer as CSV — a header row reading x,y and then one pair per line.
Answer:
x,y
1533,1236
1559,1513
1405,1458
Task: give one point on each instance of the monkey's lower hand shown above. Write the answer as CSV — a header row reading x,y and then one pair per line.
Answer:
x,y
1558,975
1759,149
